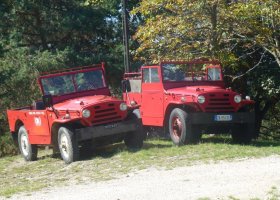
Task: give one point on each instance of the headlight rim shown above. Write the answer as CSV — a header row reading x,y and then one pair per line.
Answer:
x,y
237,98
201,99
123,106
86,113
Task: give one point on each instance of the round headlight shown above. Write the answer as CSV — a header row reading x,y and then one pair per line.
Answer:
x,y
201,99
123,106
248,98
86,113
237,98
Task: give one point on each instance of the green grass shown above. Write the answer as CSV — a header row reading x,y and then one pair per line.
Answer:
x,y
16,175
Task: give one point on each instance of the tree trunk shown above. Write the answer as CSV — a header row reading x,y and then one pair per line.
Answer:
x,y
261,112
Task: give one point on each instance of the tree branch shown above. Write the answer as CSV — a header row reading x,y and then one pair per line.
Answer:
x,y
247,72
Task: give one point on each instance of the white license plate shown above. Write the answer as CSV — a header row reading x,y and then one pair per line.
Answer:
x,y
223,118
110,126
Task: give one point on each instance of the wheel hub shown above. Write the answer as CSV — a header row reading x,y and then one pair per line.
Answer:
x,y
64,146
24,145
176,127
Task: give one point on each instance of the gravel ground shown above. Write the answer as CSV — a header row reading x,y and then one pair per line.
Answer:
x,y
241,179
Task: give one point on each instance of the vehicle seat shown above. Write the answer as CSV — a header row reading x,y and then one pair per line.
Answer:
x,y
38,105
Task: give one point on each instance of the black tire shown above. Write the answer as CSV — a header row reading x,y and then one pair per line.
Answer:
x,y
27,150
134,140
181,132
242,134
68,145
196,134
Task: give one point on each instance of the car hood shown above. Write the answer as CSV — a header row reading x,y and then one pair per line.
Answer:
x,y
197,90
82,102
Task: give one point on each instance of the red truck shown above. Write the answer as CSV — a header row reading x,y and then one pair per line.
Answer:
x,y
188,98
76,109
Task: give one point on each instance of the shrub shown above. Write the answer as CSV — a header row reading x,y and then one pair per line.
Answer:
x,y
7,146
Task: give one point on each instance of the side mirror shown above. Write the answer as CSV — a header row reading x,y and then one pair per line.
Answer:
x,y
48,100
126,86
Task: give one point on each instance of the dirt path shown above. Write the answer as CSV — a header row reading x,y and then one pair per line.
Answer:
x,y
242,179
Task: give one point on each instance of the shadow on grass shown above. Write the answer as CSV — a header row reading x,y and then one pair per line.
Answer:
x,y
223,139
109,151
106,151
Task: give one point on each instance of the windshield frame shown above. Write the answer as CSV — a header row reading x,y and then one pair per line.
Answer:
x,y
191,71
74,81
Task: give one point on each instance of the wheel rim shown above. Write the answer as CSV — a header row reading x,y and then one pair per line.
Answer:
x,y
64,146
24,143
176,127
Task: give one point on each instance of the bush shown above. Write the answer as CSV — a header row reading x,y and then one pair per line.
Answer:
x,y
270,129
7,146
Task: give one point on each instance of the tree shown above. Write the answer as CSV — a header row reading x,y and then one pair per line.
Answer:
x,y
258,23
185,28
18,78
256,28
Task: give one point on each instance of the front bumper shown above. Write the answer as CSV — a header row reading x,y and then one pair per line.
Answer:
x,y
209,118
92,132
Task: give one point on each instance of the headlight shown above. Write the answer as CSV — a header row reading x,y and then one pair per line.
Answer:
x,y
237,98
86,113
123,106
201,99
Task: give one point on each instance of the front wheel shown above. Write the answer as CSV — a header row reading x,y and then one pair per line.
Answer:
x,y
27,150
68,145
242,134
180,131
134,140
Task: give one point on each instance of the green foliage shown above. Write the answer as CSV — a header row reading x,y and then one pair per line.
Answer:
x,y
19,69
185,28
271,124
258,23
7,146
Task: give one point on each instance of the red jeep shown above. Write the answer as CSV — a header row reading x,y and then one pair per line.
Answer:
x,y
76,109
188,99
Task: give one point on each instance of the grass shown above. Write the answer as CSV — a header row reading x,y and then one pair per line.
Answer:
x,y
17,176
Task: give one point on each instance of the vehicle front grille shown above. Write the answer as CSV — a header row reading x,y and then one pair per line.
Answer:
x,y
106,113
219,103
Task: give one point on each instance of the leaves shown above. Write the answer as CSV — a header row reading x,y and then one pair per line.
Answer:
x,y
185,28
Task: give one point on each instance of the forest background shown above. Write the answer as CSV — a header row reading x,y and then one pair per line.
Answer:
x,y
44,35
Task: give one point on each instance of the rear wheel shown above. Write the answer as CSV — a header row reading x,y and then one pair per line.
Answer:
x,y
27,150
134,140
68,145
181,132
242,134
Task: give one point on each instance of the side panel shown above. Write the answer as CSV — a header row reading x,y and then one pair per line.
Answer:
x,y
38,127
35,122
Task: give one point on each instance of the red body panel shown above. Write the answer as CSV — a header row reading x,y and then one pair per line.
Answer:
x,y
36,123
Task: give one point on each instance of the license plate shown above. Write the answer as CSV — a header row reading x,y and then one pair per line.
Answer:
x,y
223,118
110,126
